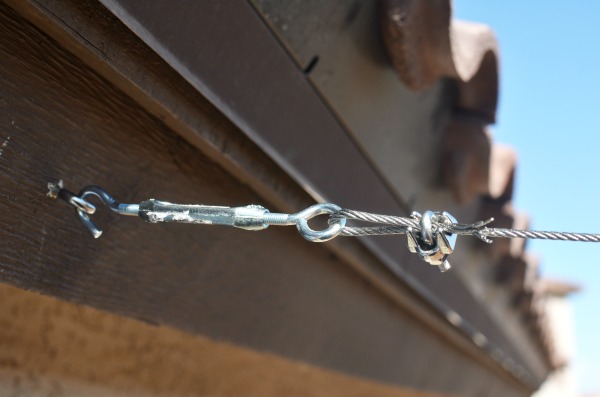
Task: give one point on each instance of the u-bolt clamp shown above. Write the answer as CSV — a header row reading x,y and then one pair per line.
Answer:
x,y
432,243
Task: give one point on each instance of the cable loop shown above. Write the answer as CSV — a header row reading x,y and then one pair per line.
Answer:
x,y
310,234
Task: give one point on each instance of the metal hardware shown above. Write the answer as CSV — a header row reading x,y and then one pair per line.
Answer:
x,y
300,219
250,217
85,208
432,245
432,236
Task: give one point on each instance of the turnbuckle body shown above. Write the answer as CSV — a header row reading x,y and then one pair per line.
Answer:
x,y
250,217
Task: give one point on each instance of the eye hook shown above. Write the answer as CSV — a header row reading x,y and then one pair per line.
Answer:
x,y
335,225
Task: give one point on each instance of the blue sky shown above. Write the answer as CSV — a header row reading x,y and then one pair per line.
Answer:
x,y
549,112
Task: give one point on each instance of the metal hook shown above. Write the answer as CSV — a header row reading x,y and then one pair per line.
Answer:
x,y
109,201
85,208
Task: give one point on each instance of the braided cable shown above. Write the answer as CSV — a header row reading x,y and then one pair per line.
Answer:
x,y
399,225
541,235
372,231
377,218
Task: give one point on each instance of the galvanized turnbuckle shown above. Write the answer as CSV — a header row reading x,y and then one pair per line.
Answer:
x,y
433,244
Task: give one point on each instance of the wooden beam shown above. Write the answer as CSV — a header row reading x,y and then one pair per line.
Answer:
x,y
52,347
61,120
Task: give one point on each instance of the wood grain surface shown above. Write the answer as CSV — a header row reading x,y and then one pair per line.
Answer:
x,y
53,348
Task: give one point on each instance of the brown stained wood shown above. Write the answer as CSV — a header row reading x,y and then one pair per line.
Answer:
x,y
269,290
54,348
103,43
